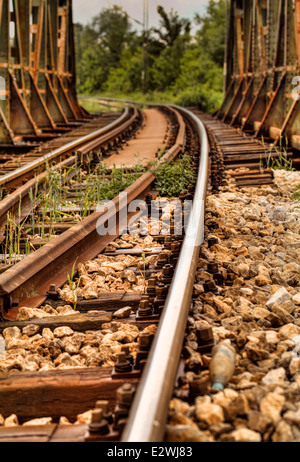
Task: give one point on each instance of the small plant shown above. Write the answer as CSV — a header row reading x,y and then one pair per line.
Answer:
x,y
279,162
296,195
74,287
175,177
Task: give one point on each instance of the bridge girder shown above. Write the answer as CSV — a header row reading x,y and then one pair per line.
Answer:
x,y
37,68
262,67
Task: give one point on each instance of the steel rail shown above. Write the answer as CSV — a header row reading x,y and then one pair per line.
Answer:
x,y
19,172
29,279
148,415
11,202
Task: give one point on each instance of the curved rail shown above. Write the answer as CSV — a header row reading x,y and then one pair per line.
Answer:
x,y
32,277
149,410
19,172
83,146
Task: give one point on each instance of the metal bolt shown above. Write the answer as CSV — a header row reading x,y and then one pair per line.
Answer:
x,y
129,357
210,286
168,270
52,292
145,309
122,364
125,394
97,416
212,241
212,268
145,340
98,424
152,282
161,291
104,405
204,333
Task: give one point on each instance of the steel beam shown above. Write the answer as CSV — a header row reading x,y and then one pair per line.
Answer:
x,y
262,59
37,68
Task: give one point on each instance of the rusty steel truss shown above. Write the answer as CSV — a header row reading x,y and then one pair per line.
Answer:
x,y
262,69
37,69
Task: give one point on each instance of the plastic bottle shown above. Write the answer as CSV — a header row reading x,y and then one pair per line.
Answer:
x,y
222,365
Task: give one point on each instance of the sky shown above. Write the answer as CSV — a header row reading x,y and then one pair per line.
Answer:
x,y
84,10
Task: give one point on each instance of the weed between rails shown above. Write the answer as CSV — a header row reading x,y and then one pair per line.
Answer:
x,y
69,195
281,161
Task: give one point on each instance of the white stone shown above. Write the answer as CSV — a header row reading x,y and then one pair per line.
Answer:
x,y
271,405
296,299
60,332
289,331
38,422
11,421
272,336
244,435
84,419
281,296
123,312
210,413
274,376
12,332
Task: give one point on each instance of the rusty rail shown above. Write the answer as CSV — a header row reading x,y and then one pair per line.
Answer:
x,y
68,148
37,75
97,138
28,281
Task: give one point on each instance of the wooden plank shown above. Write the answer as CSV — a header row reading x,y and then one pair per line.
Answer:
x,y
110,302
70,434
54,434
54,394
78,321
254,183
30,434
135,252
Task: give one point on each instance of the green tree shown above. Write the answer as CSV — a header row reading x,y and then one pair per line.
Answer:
x,y
114,32
100,45
126,78
171,26
166,68
211,35
184,68
174,36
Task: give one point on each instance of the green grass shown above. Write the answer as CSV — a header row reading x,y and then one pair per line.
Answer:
x,y
174,177
93,105
296,195
198,97
281,161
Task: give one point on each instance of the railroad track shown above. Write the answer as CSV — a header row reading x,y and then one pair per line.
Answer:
x,y
23,167
67,156
124,393
237,154
79,244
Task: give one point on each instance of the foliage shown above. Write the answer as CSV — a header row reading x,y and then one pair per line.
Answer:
x,y
211,35
277,158
175,177
173,62
297,193
171,26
